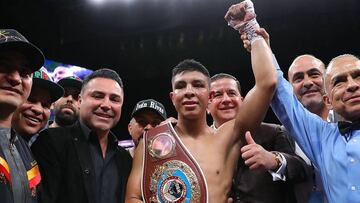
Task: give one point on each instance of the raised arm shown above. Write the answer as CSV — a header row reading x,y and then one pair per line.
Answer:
x,y
291,113
256,102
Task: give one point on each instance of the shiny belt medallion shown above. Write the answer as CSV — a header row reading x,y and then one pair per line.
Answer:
x,y
170,173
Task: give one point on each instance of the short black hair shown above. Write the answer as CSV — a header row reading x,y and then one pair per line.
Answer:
x,y
103,73
189,65
225,75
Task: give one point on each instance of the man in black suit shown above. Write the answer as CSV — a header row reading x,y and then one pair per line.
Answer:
x,y
268,167
83,162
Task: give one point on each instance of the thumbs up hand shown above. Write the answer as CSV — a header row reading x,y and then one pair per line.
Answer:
x,y
256,157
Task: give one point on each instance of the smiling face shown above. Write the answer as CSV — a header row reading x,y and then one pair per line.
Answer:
x,y
190,94
306,77
15,79
100,103
342,86
34,114
225,100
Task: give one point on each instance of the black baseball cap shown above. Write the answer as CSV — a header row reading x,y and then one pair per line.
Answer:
x,y
11,39
43,80
150,104
71,81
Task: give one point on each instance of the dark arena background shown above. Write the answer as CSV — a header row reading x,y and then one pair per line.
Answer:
x,y
143,39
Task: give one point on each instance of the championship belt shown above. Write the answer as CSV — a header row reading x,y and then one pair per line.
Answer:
x,y
170,172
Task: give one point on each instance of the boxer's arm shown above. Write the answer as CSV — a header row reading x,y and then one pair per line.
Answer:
x,y
133,189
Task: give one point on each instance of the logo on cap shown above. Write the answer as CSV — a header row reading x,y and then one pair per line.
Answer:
x,y
151,104
42,75
9,35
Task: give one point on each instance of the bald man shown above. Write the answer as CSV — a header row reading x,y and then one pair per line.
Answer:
x,y
306,76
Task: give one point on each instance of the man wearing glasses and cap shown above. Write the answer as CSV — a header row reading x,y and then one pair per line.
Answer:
x,y
146,115
18,60
66,109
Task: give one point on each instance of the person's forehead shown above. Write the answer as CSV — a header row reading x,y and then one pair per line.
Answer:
x,y
343,66
305,64
104,84
223,83
192,75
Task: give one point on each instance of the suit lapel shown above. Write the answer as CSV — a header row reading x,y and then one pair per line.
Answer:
x,y
83,154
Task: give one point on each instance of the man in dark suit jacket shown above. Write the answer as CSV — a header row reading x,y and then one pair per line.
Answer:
x,y
269,167
83,163
258,185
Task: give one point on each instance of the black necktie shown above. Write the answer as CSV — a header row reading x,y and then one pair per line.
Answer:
x,y
346,126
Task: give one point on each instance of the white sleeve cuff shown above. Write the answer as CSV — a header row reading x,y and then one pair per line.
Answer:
x,y
279,174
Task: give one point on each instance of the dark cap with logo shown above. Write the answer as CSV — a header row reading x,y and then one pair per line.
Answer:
x,y
43,80
12,40
150,104
71,81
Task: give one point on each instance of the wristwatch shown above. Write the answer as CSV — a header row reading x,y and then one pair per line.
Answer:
x,y
278,159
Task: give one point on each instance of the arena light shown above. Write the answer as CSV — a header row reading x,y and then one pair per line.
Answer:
x,y
97,1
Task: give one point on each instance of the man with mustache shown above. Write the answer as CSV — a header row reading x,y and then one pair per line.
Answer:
x,y
333,148
83,162
33,115
269,167
19,175
306,77
66,109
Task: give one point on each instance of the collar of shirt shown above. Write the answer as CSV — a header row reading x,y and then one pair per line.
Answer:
x,y
87,132
7,132
85,129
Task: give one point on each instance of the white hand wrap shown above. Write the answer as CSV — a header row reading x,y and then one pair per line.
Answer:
x,y
243,19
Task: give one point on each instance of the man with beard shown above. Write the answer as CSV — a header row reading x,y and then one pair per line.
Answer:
x,y
18,169
66,109
33,115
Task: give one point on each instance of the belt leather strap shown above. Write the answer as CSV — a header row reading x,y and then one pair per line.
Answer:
x,y
170,172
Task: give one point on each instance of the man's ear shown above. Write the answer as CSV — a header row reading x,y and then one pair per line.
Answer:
x,y
171,94
207,108
129,127
327,102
